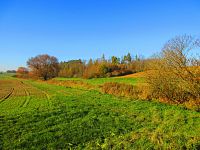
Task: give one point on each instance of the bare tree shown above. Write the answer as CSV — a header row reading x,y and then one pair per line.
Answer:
x,y
177,54
44,66
178,59
177,70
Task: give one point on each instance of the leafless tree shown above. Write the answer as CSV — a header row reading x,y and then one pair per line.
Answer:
x,y
44,66
177,70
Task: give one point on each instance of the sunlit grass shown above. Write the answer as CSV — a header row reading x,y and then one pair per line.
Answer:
x,y
100,81
87,119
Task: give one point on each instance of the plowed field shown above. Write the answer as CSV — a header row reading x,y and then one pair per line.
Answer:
x,y
16,93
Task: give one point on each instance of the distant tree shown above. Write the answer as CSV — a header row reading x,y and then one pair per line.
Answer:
x,y
90,62
137,58
115,60
22,72
44,66
103,69
103,59
128,58
72,68
127,61
139,63
122,60
11,71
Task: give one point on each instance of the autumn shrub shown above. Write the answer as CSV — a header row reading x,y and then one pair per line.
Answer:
x,y
193,104
121,72
22,72
177,73
71,83
99,70
167,87
126,90
91,72
72,68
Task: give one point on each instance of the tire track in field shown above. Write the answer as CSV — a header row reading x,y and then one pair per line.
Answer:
x,y
8,95
5,94
27,99
37,92
46,96
26,91
19,89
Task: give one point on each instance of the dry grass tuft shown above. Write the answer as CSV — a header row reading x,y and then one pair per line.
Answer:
x,y
126,90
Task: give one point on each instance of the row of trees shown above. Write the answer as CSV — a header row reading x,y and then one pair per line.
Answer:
x,y
174,77
101,67
46,67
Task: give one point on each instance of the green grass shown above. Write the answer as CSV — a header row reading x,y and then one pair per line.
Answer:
x,y
100,81
86,119
6,75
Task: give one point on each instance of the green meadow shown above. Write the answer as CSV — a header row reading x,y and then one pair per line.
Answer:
x,y
37,115
100,81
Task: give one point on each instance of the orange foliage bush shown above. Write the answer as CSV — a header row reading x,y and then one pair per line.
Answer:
x,y
176,79
22,72
127,90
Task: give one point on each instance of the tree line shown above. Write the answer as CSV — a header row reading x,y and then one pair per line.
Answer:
x,y
46,67
174,77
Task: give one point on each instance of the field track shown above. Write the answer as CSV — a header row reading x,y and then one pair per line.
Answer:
x,y
43,115
6,94
23,91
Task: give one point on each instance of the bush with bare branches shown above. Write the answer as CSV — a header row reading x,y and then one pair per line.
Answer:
x,y
177,72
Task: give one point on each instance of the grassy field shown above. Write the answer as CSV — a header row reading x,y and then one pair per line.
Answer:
x,y
35,115
100,81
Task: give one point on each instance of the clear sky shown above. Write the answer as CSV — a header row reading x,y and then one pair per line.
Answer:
x,y
73,29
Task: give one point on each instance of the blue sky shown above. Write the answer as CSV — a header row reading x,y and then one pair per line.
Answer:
x,y
73,29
